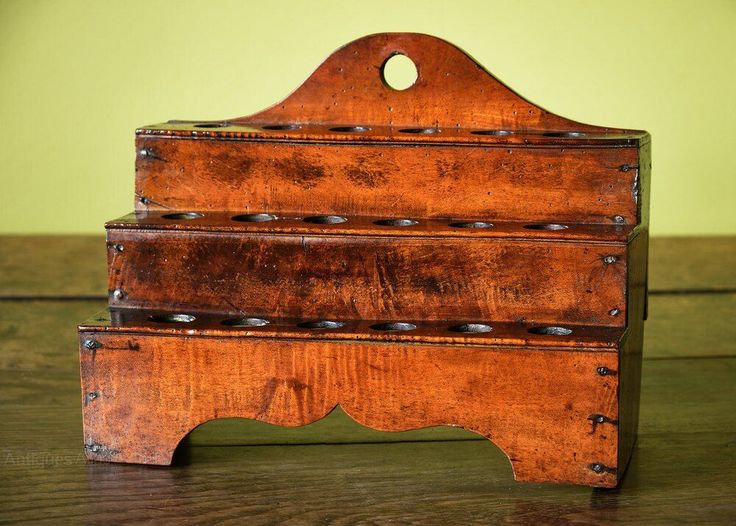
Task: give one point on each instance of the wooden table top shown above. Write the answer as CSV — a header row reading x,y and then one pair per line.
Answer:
x,y
336,472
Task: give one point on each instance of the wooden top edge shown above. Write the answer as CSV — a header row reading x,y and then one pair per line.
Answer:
x,y
330,133
277,223
202,324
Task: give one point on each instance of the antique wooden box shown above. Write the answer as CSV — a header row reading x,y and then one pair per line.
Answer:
x,y
446,254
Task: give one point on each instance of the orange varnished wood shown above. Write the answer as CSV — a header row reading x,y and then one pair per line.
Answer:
x,y
360,277
215,324
512,183
528,403
458,227
526,329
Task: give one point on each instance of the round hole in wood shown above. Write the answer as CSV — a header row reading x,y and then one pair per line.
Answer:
x,y
172,318
551,331
395,222
492,132
282,127
420,130
254,218
325,220
321,324
472,224
399,72
572,134
183,215
350,129
546,226
394,326
245,322
471,327
212,125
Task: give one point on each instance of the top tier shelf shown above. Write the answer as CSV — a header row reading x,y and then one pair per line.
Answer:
x,y
456,143
357,132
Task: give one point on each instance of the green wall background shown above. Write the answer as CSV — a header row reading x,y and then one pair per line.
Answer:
x,y
77,77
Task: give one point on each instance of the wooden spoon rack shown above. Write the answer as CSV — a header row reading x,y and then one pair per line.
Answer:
x,y
447,254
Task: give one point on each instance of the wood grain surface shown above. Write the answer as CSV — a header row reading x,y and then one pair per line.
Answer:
x,y
347,277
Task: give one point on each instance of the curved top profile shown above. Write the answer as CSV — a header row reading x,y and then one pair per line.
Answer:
x,y
451,90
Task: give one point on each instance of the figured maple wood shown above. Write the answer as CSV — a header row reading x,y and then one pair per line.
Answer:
x,y
506,183
534,405
224,221
360,277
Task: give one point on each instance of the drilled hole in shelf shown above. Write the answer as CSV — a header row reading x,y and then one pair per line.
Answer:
x,y
551,331
183,215
350,129
254,218
492,132
172,318
212,125
471,327
394,326
282,127
325,220
399,72
395,222
546,226
472,224
321,324
245,322
571,134
420,130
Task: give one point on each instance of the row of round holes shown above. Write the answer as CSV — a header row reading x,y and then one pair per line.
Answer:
x,y
361,129
333,220
476,328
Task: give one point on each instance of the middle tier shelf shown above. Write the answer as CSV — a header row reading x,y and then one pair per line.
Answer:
x,y
361,268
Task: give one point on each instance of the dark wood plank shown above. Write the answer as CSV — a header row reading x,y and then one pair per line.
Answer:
x,y
52,266
683,469
682,325
409,483
692,263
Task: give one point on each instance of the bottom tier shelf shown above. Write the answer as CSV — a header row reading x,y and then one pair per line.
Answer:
x,y
550,400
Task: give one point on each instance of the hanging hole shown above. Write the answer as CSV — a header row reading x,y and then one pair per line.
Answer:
x,y
254,218
395,222
399,72
471,327
572,134
394,326
472,224
325,220
212,125
546,226
172,318
183,215
321,324
551,331
350,129
492,132
245,322
282,127
420,130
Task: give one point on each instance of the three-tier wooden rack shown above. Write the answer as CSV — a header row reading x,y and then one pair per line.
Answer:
x,y
447,254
